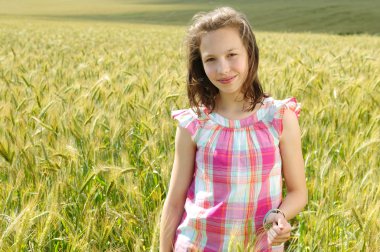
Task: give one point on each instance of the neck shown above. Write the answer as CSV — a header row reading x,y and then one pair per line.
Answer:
x,y
231,103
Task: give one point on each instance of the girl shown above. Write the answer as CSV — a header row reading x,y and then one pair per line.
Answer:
x,y
232,148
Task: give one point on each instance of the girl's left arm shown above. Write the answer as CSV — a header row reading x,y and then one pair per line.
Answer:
x,y
293,166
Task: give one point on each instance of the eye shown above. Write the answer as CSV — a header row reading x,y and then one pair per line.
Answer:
x,y
232,54
209,59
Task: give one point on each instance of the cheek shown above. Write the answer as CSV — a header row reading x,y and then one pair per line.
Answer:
x,y
208,70
242,65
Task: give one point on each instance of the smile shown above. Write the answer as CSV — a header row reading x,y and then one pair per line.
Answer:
x,y
227,80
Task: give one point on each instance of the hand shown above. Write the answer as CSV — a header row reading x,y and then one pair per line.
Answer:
x,y
280,230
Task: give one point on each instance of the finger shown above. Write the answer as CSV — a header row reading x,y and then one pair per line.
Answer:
x,y
274,217
275,237
281,222
283,235
286,235
280,239
271,235
283,225
283,230
277,244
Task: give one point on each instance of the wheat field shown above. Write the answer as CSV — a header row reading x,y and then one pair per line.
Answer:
x,y
87,142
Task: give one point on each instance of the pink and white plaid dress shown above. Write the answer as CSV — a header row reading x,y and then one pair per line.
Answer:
x,y
237,178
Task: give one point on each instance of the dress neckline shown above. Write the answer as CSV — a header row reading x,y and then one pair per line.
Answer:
x,y
239,123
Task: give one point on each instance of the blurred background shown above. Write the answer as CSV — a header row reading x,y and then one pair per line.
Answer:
x,y
330,16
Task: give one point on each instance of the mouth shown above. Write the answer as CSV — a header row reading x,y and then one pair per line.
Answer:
x,y
227,80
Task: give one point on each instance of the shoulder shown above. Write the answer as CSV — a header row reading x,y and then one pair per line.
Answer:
x,y
189,115
276,108
283,112
290,103
183,115
189,119
290,125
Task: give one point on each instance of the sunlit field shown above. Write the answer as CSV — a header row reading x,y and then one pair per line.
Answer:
x,y
333,16
87,142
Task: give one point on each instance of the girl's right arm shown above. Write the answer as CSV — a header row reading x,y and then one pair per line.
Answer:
x,y
181,177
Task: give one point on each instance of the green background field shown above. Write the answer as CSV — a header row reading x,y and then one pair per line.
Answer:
x,y
334,16
86,138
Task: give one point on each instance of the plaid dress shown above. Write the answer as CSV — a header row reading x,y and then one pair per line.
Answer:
x,y
237,178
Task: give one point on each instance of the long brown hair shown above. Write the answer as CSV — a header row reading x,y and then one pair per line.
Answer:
x,y
200,90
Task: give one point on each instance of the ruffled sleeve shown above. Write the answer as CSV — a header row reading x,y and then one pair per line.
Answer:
x,y
187,119
279,109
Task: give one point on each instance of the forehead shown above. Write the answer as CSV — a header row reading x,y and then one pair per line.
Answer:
x,y
220,41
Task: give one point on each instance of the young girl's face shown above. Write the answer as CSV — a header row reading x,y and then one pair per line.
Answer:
x,y
225,59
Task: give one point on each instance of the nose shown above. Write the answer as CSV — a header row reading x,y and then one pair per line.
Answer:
x,y
223,66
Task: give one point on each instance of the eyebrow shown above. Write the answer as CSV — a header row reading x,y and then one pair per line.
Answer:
x,y
212,55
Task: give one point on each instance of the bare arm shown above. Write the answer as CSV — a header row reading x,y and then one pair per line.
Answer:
x,y
293,166
181,177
